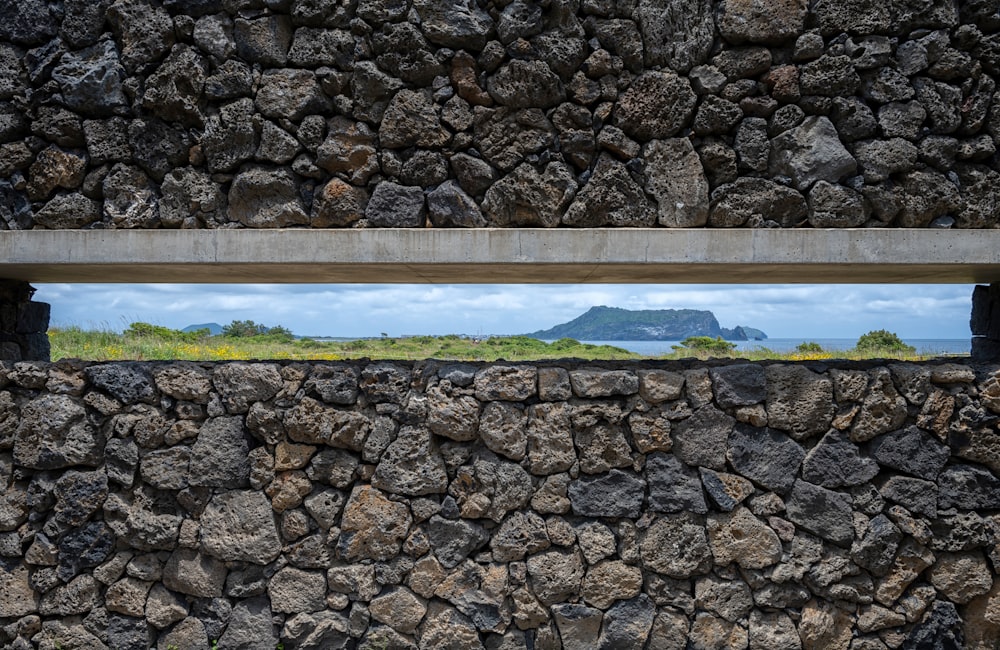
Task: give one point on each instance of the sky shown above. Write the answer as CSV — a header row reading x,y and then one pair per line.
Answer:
x,y
781,311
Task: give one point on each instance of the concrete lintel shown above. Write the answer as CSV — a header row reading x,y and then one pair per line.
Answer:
x,y
449,256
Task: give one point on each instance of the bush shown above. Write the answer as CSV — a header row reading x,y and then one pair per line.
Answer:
x,y
809,346
248,328
147,330
883,341
706,344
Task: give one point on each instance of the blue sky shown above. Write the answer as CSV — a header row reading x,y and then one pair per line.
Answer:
x,y
782,311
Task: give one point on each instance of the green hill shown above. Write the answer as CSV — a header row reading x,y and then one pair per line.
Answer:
x,y
614,324
213,328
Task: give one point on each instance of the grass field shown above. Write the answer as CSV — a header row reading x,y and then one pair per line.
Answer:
x,y
145,342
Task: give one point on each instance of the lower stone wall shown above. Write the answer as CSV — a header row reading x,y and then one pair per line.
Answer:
x,y
556,505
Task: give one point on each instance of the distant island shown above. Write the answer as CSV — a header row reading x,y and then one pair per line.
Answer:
x,y
615,324
213,328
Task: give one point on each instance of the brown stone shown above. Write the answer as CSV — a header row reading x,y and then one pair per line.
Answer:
x,y
611,581
373,527
824,627
742,538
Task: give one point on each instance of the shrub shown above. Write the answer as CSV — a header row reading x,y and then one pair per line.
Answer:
x,y
147,330
248,328
809,346
706,344
883,341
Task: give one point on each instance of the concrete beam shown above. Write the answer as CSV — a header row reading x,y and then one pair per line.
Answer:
x,y
449,256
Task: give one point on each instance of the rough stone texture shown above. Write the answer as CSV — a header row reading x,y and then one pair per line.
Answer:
x,y
408,504
745,200
740,537
823,512
702,438
785,99
372,526
240,526
266,199
656,105
614,494
673,487
769,458
911,451
798,401
677,546
836,462
676,179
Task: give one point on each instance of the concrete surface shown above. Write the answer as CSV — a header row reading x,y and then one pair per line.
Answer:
x,y
504,256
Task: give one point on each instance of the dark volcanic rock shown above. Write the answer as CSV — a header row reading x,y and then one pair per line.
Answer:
x,y
656,105
701,439
615,494
941,629
454,540
837,462
145,31
811,152
128,382
528,198
911,450
673,487
876,550
526,84
229,137
610,198
261,198
396,206
91,80
676,33
765,456
263,40
736,203
449,206
823,512
968,487
738,385
916,495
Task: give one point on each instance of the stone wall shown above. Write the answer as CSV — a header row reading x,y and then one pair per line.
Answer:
x,y
23,323
473,113
555,505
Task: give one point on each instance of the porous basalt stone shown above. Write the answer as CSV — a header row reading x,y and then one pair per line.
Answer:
x,y
548,513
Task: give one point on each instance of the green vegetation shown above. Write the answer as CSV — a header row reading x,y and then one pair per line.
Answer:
x,y
705,345
882,341
142,341
241,329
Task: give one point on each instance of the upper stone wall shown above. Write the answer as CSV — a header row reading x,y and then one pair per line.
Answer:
x,y
463,113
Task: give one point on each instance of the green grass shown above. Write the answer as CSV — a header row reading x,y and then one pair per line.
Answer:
x,y
148,343
142,344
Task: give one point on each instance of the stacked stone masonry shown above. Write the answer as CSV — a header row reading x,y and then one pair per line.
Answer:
x,y
475,113
23,323
182,505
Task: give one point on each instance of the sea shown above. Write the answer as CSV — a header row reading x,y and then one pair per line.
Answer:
x,y
938,347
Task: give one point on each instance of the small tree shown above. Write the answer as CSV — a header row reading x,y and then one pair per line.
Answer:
x,y
706,344
243,328
883,341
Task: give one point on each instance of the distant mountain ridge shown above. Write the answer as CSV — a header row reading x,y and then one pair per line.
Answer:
x,y
213,328
616,324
